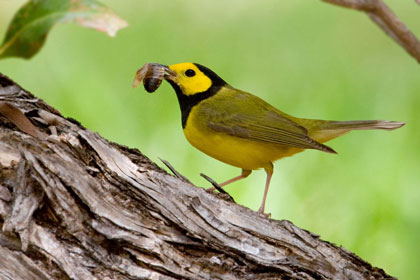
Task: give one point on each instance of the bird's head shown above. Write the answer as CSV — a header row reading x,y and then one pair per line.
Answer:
x,y
192,78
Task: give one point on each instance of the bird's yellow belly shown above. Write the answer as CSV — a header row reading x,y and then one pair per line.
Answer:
x,y
232,150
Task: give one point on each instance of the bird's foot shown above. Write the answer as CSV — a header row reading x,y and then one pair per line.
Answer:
x,y
261,211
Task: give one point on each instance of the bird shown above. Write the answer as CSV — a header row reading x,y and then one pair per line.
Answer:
x,y
243,130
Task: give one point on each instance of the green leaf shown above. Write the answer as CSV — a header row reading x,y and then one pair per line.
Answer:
x,y
30,26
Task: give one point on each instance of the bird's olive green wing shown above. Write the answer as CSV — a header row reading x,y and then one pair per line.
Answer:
x,y
243,115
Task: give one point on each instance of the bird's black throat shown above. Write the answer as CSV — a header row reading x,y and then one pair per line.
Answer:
x,y
187,102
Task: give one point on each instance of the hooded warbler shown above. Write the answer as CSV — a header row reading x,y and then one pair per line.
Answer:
x,y
243,130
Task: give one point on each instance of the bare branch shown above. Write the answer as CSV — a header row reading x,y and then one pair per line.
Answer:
x,y
384,17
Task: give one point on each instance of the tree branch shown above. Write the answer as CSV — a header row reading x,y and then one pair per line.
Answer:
x,y
383,16
75,206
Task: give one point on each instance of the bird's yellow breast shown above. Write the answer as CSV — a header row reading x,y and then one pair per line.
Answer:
x,y
239,152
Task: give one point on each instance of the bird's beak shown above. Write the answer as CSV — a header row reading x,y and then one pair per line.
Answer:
x,y
170,75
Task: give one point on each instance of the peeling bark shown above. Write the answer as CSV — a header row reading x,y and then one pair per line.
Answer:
x,y
76,206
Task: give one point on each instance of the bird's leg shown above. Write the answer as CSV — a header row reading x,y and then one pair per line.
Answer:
x,y
269,170
245,173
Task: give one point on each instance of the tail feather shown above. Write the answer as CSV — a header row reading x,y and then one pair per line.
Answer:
x,y
387,125
323,131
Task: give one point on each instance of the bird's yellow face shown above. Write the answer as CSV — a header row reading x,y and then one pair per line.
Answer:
x,y
190,78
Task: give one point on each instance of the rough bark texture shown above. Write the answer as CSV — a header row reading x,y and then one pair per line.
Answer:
x,y
76,206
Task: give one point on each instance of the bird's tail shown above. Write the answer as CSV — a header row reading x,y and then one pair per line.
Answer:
x,y
323,131
352,125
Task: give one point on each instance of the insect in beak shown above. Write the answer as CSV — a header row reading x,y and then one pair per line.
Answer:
x,y
152,74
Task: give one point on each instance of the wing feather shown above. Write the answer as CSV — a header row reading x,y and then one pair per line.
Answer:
x,y
263,123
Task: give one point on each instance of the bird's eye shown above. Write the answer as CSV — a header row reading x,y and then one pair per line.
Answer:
x,y
190,73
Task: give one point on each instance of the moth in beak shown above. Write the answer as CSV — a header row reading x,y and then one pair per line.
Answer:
x,y
152,75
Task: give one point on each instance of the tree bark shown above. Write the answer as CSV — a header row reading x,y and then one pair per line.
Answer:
x,y
76,206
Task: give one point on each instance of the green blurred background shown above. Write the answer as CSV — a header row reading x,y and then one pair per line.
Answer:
x,y
308,58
